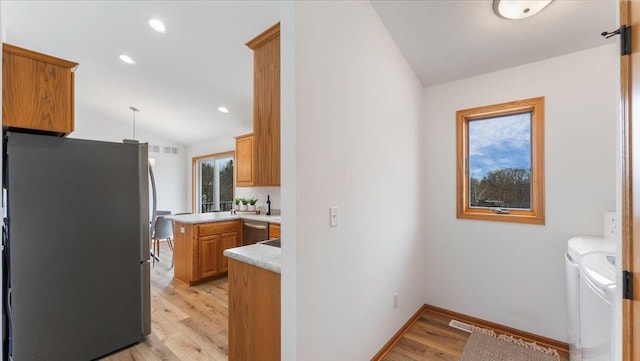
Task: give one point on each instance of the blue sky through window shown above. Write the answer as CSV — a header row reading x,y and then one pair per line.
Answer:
x,y
499,142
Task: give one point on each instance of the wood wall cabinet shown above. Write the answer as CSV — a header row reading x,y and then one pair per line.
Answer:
x,y
266,108
254,313
37,91
274,230
244,161
198,249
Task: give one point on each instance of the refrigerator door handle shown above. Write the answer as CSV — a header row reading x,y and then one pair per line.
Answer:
x,y
145,235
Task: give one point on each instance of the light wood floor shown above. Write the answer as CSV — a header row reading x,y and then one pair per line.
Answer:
x,y
187,323
432,339
190,324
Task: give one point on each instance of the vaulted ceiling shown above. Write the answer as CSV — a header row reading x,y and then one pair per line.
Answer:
x,y
449,40
182,76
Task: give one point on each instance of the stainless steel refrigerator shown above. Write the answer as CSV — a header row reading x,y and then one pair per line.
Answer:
x,y
76,247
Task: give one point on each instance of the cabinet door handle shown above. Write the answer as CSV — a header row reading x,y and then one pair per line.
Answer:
x,y
255,226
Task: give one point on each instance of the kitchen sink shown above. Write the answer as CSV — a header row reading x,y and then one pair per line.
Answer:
x,y
272,242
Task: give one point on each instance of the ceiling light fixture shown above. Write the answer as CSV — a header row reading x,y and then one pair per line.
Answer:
x,y
519,9
157,25
223,110
127,59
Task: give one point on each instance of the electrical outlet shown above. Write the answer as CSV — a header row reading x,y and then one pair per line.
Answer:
x,y
395,300
333,216
181,229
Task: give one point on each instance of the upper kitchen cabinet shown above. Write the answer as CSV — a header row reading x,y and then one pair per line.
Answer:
x,y
244,161
266,107
37,91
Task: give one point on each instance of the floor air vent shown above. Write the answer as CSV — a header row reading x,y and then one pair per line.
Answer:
x,y
461,326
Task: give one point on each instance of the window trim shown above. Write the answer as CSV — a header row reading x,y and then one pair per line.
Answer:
x,y
536,214
194,178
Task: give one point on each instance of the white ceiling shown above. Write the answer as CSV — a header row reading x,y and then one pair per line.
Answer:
x,y
181,77
449,40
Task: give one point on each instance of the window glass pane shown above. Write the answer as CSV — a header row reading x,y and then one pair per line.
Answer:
x,y
500,161
226,183
206,186
215,184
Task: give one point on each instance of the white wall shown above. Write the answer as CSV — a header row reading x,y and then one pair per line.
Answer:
x,y
168,170
513,274
288,130
355,106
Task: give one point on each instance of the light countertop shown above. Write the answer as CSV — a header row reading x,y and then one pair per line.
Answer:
x,y
260,218
221,216
258,255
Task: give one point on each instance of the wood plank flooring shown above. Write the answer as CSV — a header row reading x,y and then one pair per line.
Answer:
x,y
190,324
431,338
187,323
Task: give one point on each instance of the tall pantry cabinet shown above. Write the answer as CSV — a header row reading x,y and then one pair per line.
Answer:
x,y
265,163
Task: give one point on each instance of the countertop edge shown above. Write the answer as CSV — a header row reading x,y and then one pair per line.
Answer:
x,y
259,255
222,218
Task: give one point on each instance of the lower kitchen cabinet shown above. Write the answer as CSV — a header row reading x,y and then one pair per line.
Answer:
x,y
198,249
208,259
274,230
228,240
254,313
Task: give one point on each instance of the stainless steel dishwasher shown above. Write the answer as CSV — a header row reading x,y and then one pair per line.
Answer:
x,y
253,232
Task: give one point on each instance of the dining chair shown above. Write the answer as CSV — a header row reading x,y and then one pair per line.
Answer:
x,y
162,230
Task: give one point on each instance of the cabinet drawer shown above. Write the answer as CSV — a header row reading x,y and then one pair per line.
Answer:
x,y
274,230
218,227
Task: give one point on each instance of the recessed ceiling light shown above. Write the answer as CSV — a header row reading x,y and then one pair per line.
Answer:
x,y
127,59
519,9
157,25
223,110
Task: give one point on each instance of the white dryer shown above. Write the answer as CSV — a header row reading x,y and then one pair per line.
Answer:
x,y
597,295
577,248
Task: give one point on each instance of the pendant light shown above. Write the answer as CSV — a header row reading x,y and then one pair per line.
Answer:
x,y
134,110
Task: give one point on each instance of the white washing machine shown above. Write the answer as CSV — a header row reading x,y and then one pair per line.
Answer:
x,y
577,248
597,294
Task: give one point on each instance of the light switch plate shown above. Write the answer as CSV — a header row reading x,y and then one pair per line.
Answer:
x,y
333,216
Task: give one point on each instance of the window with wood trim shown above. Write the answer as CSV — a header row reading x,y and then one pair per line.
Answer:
x,y
500,162
212,177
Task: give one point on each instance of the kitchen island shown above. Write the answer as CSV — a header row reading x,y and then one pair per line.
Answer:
x,y
201,239
254,302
